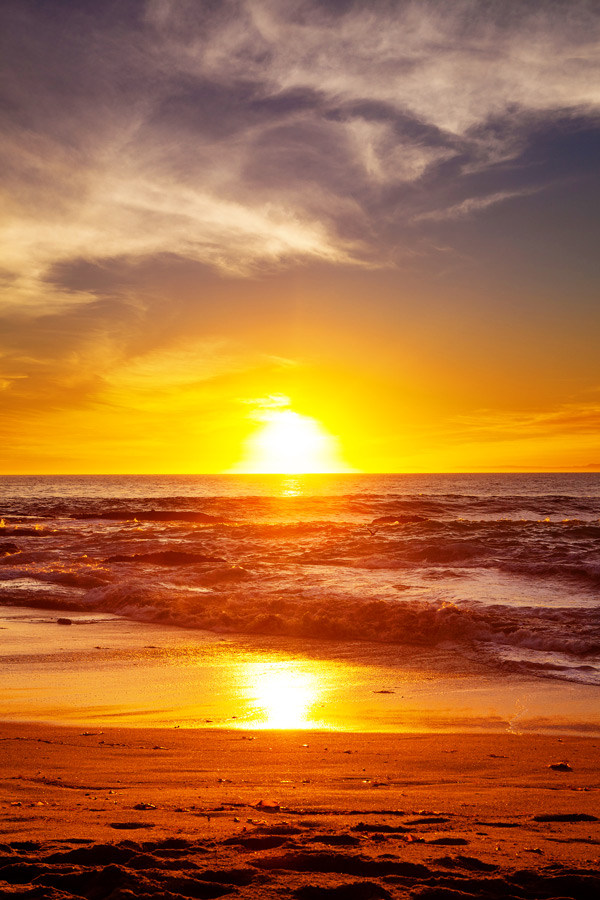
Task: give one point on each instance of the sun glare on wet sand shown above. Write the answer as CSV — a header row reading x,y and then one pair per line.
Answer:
x,y
283,695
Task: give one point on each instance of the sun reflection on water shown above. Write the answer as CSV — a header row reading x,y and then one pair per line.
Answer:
x,y
291,487
281,694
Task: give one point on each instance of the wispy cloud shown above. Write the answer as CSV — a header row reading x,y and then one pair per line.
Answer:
x,y
577,418
471,205
273,401
246,134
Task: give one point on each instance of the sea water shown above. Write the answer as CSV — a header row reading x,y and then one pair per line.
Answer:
x,y
493,577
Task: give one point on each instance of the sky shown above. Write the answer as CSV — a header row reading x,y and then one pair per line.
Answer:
x,y
376,221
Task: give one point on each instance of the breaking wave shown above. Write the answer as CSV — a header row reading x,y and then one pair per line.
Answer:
x,y
514,573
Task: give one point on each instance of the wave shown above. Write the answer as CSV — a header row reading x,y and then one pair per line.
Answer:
x,y
424,623
400,519
7,548
228,599
166,558
151,515
481,497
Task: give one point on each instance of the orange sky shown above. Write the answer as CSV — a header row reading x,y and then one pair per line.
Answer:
x,y
385,216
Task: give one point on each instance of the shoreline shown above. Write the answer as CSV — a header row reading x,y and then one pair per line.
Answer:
x,y
115,672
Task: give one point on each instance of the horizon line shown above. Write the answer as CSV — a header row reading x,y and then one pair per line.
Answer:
x,y
592,469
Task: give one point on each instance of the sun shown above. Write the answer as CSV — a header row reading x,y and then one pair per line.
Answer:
x,y
290,444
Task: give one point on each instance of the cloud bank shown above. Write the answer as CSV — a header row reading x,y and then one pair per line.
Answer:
x,y
247,134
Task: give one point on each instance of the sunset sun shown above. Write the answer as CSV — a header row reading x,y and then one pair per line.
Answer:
x,y
290,443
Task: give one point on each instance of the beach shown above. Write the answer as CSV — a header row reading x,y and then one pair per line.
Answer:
x,y
344,689
413,784
189,813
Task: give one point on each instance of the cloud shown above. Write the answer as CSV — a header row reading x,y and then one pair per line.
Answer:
x,y
261,405
577,418
169,370
132,214
471,205
260,133
454,65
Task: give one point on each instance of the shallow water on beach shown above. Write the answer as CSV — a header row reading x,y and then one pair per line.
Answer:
x,y
466,576
104,670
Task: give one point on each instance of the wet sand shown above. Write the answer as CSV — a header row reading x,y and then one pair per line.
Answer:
x,y
123,813
107,671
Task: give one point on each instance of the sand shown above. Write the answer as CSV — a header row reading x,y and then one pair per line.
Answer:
x,y
124,813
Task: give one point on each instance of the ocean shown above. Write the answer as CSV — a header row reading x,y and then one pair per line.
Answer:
x,y
493,575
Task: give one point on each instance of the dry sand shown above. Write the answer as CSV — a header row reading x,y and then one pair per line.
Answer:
x,y
125,813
